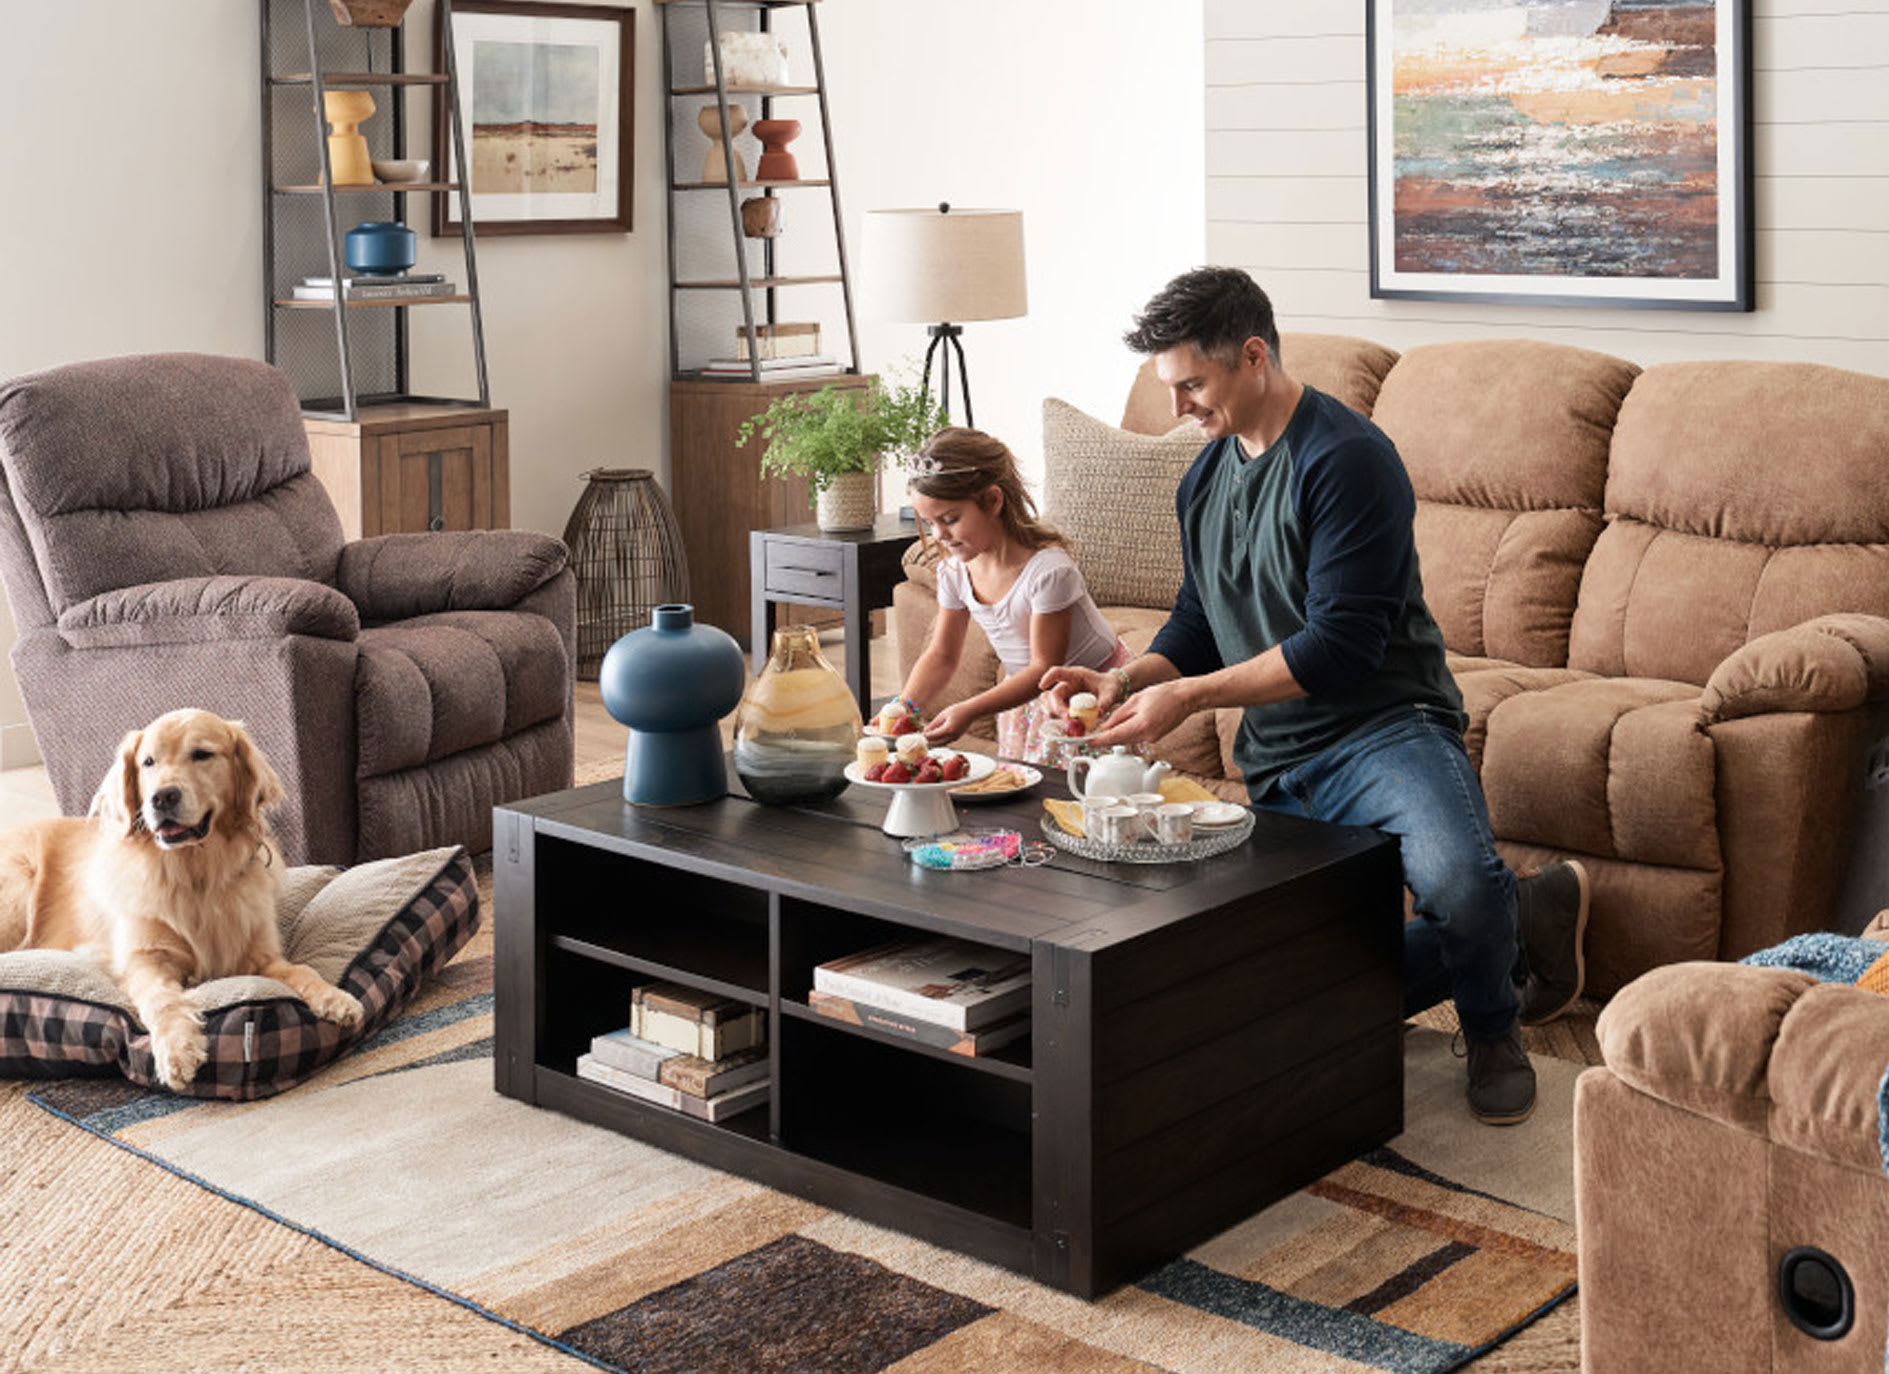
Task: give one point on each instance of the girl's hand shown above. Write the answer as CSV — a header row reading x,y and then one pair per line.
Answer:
x,y
948,724
1059,684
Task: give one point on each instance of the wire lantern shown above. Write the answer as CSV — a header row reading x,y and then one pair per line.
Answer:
x,y
627,556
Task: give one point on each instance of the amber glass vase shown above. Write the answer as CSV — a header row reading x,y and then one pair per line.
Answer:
x,y
797,724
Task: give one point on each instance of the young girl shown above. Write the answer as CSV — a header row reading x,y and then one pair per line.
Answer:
x,y
1011,573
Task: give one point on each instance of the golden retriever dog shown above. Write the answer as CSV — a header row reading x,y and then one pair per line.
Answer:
x,y
170,881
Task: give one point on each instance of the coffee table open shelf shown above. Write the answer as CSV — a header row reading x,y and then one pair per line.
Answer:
x,y
1206,1037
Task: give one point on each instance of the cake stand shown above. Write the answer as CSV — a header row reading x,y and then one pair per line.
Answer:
x,y
924,808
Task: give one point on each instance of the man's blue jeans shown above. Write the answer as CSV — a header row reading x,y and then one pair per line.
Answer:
x,y
1409,776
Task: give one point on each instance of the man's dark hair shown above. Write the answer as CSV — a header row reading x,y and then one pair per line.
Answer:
x,y
1216,309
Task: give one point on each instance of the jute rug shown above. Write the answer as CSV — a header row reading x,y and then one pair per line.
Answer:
x,y
1416,1258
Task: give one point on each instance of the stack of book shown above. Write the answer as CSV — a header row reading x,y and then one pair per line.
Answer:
x,y
774,369
684,1049
413,285
951,994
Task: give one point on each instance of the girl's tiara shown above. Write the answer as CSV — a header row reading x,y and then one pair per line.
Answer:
x,y
934,467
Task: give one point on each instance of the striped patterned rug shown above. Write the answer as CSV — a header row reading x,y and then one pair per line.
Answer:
x,y
1415,1258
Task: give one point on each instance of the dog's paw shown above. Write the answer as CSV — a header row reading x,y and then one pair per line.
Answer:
x,y
180,1052
332,1004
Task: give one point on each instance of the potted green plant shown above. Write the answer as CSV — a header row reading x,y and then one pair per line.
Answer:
x,y
836,438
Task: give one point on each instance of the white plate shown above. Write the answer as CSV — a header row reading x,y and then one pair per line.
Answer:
x,y
982,766
1217,815
1030,779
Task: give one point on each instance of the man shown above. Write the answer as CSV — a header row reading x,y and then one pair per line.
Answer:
x,y
1301,602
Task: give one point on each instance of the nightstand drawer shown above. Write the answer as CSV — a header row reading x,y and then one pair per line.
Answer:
x,y
804,570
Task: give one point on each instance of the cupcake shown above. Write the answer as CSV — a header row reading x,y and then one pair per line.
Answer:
x,y
1082,707
870,750
912,749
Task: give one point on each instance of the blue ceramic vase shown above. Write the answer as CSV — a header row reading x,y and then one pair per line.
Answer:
x,y
381,248
671,682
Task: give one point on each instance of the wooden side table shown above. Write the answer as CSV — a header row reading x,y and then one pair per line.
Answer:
x,y
851,570
409,467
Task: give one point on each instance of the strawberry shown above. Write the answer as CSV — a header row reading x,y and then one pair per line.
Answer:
x,y
1075,729
876,773
896,771
956,767
929,772
907,725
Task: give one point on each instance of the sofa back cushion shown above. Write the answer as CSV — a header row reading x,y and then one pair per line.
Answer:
x,y
144,469
1742,498
1506,443
1337,364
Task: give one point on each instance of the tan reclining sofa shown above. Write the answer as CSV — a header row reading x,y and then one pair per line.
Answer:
x,y
1663,590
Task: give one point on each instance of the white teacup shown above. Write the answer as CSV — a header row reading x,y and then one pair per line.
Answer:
x,y
1092,805
1145,801
1173,823
1113,824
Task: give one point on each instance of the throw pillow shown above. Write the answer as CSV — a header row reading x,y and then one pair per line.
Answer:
x,y
374,930
1112,493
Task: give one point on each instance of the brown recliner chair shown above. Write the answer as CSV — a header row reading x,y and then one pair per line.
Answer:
x,y
164,544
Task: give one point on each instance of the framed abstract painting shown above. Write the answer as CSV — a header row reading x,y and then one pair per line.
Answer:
x,y
545,104
1561,152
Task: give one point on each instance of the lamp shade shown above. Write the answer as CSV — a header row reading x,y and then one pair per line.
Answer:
x,y
944,264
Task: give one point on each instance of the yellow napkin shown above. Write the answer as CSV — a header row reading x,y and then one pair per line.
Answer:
x,y
1875,978
1067,814
1184,790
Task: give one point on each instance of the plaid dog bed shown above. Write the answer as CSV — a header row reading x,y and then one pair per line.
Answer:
x,y
374,930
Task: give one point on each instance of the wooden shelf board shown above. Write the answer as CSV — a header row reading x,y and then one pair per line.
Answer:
x,y
371,305
332,79
758,283
748,90
746,185
376,186
1009,1061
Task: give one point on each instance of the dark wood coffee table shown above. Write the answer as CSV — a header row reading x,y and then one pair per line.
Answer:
x,y
1207,1037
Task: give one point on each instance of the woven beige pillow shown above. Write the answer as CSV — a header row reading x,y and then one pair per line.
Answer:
x,y
1112,493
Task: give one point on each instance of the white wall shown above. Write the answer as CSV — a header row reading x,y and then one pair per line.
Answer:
x,y
129,161
1286,191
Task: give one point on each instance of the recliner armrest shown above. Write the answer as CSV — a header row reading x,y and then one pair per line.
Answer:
x,y
396,576
1831,663
202,610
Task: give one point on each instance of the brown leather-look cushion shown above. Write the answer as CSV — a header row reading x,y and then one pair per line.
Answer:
x,y
1832,663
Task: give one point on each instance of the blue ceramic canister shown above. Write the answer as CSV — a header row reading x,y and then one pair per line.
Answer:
x,y
381,247
671,682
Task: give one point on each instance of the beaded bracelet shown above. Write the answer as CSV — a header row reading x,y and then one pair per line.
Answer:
x,y
1121,676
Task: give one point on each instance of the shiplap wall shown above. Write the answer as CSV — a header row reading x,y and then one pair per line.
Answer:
x,y
1287,191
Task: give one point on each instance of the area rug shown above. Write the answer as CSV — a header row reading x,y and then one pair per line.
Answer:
x,y
1417,1257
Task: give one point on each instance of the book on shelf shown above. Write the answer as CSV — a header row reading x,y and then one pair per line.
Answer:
x,y
717,1108
382,279
623,1049
779,341
954,983
693,1021
818,364
974,1042
700,1077
378,291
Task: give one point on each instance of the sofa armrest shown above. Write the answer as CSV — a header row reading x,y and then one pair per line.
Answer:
x,y
1831,663
195,610
1770,1051
396,576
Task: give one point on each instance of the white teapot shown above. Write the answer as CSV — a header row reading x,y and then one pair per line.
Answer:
x,y
1114,774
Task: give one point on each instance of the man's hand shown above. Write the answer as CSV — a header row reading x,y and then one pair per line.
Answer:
x,y
1060,684
1146,716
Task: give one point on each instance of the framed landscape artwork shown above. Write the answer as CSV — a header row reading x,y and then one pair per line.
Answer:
x,y
1564,152
545,91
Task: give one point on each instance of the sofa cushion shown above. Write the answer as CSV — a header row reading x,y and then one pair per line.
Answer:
x,y
1487,682
374,930
435,685
1619,767
1506,444
1112,493
1743,498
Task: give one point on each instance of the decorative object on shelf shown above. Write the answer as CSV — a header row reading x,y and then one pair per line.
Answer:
x,y
795,727
348,160
775,162
715,161
779,342
626,553
398,170
945,265
549,116
747,59
827,434
671,682
1614,169
381,247
368,14
761,215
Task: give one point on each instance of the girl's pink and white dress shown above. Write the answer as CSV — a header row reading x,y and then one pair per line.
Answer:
x,y
1049,582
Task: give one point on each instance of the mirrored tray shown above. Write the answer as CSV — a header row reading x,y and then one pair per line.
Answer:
x,y
1200,847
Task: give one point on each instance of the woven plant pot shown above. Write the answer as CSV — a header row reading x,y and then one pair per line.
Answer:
x,y
850,502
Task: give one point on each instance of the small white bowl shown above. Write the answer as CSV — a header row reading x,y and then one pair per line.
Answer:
x,y
402,169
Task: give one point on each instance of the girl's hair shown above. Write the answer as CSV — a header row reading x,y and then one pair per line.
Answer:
x,y
959,464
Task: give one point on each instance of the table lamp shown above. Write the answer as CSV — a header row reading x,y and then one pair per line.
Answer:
x,y
941,267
